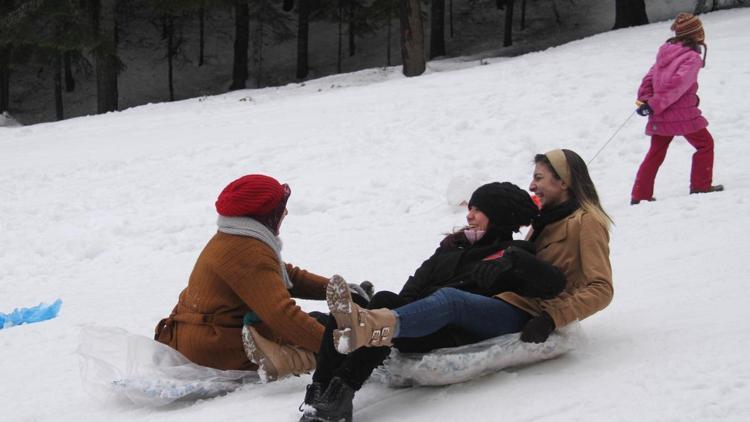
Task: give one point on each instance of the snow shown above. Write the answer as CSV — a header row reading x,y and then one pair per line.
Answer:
x,y
110,212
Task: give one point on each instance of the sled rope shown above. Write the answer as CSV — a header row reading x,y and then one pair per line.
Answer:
x,y
611,138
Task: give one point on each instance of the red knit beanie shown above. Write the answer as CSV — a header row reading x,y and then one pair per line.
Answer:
x,y
252,195
688,26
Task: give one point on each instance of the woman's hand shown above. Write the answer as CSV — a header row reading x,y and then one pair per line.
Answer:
x,y
538,329
487,273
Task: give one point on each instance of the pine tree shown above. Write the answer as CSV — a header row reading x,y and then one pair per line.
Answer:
x,y
107,63
271,23
630,13
6,48
306,10
508,28
241,44
412,38
359,18
437,28
42,32
171,14
383,12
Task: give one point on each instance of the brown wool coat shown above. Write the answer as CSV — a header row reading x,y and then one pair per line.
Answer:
x,y
579,246
233,275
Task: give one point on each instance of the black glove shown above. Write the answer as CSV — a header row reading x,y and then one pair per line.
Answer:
x,y
644,110
525,245
487,273
361,293
538,329
368,287
537,278
323,319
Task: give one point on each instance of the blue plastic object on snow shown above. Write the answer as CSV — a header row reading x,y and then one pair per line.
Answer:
x,y
41,312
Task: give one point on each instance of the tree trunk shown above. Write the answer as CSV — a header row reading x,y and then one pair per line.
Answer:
x,y
508,36
352,28
303,32
57,63
241,43
630,13
4,79
340,35
437,31
169,34
412,38
259,71
450,10
390,31
106,55
202,41
556,12
523,15
70,83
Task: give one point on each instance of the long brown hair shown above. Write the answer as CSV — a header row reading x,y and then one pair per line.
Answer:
x,y
581,187
690,42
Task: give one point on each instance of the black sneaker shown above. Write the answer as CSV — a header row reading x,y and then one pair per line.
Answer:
x,y
313,393
715,188
335,405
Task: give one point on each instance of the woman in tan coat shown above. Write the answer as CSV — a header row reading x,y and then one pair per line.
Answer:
x,y
571,233
240,272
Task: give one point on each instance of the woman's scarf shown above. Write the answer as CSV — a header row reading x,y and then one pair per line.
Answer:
x,y
550,215
246,226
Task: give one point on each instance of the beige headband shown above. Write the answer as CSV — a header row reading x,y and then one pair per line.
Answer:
x,y
559,163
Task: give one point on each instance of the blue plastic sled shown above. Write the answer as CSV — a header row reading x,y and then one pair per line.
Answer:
x,y
41,312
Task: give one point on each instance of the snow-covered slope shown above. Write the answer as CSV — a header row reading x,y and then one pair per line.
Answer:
x,y
110,212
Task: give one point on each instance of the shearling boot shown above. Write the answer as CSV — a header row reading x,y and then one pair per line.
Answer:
x,y
275,360
357,327
335,405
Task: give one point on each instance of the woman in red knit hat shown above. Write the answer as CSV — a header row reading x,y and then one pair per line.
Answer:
x,y
240,272
668,96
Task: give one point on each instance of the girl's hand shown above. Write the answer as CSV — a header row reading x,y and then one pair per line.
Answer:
x,y
644,110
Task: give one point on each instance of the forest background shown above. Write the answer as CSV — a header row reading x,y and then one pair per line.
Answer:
x,y
68,58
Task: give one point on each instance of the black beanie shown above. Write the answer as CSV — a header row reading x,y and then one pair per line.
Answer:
x,y
505,204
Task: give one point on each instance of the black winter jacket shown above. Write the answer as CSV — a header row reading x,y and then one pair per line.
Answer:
x,y
451,266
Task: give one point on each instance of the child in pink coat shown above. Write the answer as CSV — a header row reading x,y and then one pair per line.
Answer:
x,y
668,96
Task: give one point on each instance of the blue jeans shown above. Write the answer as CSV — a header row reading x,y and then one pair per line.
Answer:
x,y
483,316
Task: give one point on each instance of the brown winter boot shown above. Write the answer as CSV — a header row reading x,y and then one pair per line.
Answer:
x,y
357,327
275,360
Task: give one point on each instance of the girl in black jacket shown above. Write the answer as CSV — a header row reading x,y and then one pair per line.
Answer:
x,y
483,259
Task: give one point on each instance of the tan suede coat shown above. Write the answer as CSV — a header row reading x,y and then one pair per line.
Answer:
x,y
233,275
579,246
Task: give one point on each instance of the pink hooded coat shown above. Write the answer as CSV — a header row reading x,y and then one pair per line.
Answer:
x,y
670,88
